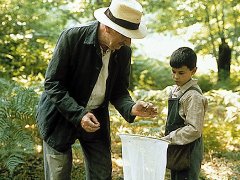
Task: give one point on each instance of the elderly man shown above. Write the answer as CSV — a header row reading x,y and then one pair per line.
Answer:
x,y
89,69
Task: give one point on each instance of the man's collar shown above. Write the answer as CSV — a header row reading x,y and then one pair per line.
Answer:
x,y
92,33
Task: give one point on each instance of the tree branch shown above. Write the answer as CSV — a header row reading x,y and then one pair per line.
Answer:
x,y
220,31
210,30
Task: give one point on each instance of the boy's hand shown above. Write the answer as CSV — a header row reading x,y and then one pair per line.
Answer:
x,y
144,109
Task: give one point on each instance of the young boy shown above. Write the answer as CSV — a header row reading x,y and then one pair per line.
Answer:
x,y
186,110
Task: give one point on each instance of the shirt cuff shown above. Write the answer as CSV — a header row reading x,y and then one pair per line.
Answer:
x,y
167,138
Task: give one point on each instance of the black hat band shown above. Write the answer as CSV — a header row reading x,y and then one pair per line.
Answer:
x,y
121,22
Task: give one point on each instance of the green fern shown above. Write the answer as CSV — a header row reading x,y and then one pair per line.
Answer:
x,y
17,109
13,161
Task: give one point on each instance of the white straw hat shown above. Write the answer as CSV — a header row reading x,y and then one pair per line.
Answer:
x,y
124,16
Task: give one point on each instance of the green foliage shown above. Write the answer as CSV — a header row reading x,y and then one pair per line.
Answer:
x,y
216,19
29,30
233,83
207,81
150,74
212,22
222,121
17,119
27,33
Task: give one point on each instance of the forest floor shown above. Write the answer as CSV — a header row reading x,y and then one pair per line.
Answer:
x,y
213,168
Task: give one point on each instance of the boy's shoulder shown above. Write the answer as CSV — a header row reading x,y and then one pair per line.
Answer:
x,y
195,88
194,93
191,85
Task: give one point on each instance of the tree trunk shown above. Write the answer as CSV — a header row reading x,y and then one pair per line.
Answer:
x,y
224,61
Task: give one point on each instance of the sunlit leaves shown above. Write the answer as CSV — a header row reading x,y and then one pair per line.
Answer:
x,y
222,120
149,74
23,23
218,19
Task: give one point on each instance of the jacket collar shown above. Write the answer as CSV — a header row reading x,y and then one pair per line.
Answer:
x,y
92,36
92,33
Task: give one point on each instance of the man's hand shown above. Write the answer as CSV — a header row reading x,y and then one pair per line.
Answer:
x,y
90,123
144,109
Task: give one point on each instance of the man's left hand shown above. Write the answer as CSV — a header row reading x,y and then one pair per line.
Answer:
x,y
144,109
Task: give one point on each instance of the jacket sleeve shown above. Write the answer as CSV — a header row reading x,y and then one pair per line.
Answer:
x,y
120,96
56,81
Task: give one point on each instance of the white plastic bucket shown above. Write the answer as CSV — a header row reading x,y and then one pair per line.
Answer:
x,y
144,158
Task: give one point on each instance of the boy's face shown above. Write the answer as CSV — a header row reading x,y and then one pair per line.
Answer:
x,y
182,75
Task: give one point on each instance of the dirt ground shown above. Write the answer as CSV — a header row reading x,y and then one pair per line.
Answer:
x,y
214,168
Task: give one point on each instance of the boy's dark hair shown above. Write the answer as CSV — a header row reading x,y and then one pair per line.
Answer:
x,y
183,56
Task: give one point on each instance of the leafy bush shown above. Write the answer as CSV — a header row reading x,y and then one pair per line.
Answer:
x,y
222,122
17,123
150,74
206,81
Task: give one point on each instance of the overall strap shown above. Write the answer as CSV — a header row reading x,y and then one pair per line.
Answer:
x,y
191,88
